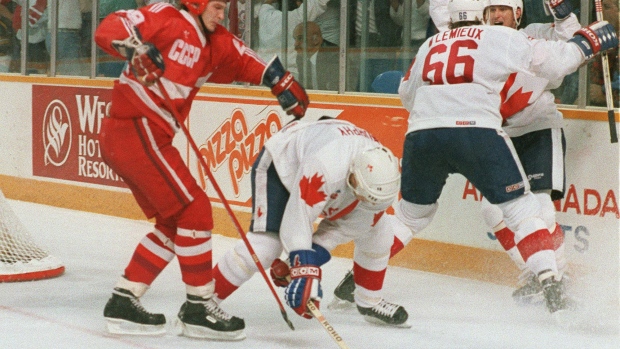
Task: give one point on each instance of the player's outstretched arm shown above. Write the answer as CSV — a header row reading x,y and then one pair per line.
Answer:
x,y
291,95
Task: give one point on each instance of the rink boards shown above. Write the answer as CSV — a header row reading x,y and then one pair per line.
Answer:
x,y
50,155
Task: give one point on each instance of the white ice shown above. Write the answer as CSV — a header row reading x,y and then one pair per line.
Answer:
x,y
446,312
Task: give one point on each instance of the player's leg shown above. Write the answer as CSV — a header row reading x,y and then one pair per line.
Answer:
x,y
528,288
123,311
501,179
269,197
370,260
344,291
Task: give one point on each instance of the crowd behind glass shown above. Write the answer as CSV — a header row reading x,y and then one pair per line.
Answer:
x,y
341,46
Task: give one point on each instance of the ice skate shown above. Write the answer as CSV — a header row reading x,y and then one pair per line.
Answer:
x,y
529,291
343,293
555,295
386,313
203,318
126,315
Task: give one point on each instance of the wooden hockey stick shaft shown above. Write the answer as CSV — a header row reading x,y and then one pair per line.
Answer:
x,y
220,194
613,133
329,328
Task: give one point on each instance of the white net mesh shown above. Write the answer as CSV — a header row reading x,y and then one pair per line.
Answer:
x,y
20,257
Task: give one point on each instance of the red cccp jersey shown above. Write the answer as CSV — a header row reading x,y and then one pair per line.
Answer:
x,y
190,58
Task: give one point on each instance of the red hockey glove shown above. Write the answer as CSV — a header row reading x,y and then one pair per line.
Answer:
x,y
594,38
291,95
147,63
280,273
305,282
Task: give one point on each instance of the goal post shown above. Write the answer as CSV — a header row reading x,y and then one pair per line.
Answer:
x,y
20,258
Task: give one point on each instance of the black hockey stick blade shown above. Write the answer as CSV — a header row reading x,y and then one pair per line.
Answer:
x,y
613,133
288,322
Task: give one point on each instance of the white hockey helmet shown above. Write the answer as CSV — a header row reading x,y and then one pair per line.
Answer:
x,y
377,175
467,10
515,4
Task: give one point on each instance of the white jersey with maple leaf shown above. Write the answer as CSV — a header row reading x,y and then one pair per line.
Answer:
x,y
527,103
312,160
458,75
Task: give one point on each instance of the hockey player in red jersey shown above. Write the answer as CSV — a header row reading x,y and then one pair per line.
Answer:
x,y
181,48
298,177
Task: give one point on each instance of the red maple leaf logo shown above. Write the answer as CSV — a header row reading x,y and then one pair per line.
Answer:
x,y
516,102
376,218
310,189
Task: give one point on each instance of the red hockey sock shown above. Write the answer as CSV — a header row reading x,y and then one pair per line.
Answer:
x,y
537,241
223,287
368,279
148,260
557,235
397,246
506,238
193,250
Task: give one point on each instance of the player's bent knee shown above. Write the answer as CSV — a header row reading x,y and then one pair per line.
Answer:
x,y
416,217
547,209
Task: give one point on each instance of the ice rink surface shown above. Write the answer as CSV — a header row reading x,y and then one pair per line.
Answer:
x,y
446,312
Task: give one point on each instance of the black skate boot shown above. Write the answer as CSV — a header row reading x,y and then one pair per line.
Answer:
x,y
386,313
530,290
203,318
126,315
343,293
555,296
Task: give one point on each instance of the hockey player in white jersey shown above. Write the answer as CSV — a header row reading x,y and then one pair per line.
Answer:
x,y
330,169
452,92
534,124
531,119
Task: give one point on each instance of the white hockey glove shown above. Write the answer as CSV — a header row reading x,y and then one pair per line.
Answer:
x,y
145,60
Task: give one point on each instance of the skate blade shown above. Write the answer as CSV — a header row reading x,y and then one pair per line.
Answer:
x,y
532,299
340,304
202,332
376,321
119,326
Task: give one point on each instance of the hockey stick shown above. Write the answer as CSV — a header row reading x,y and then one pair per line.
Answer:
x,y
330,330
220,194
598,5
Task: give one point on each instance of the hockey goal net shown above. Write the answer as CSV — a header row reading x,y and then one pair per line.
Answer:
x,y
20,258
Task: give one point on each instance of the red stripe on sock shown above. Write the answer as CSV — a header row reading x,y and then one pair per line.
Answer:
x,y
506,238
223,287
558,236
368,279
537,241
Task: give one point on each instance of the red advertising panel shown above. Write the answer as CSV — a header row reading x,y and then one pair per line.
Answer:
x,y
65,132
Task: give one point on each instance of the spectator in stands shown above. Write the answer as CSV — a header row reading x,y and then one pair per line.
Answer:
x,y
68,38
86,10
37,55
322,61
329,22
419,21
270,28
378,39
